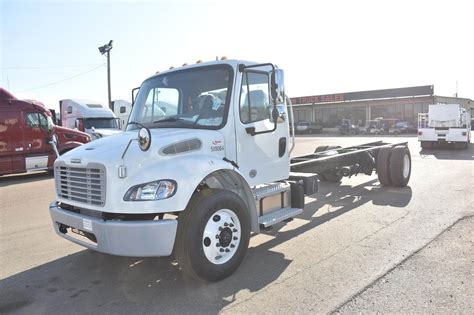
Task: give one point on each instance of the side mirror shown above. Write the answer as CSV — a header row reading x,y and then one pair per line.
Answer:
x,y
144,139
280,86
134,94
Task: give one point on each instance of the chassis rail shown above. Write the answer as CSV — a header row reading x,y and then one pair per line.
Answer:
x,y
342,161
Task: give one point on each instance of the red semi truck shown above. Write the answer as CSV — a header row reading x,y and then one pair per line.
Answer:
x,y
26,133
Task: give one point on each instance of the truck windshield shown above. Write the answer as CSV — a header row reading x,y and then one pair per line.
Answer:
x,y
100,123
190,98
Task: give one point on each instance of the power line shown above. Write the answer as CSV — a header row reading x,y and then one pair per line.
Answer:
x,y
46,67
59,81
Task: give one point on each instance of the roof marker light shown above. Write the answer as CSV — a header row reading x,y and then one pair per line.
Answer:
x,y
199,61
224,58
184,64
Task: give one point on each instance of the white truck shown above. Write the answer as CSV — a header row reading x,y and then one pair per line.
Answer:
x,y
122,110
444,123
205,162
88,116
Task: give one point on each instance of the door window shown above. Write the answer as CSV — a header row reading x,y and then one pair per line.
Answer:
x,y
254,97
37,120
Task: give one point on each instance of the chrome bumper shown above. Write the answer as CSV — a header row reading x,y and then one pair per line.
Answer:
x,y
122,238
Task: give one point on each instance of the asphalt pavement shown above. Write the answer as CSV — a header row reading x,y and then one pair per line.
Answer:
x,y
351,236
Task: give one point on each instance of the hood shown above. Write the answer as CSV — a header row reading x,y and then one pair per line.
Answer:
x,y
60,129
165,143
105,132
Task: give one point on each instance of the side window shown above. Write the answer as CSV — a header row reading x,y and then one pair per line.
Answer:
x,y
254,97
69,109
32,120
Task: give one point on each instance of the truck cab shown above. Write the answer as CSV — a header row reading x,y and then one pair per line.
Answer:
x,y
88,116
444,123
204,162
26,132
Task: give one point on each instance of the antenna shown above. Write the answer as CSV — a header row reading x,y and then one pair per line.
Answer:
x,y
456,95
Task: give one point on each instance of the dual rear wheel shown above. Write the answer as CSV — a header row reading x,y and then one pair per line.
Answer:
x,y
393,166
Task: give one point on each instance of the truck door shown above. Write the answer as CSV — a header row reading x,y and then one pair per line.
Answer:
x,y
11,142
36,134
261,158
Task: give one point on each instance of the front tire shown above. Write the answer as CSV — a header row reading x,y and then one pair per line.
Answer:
x,y
213,235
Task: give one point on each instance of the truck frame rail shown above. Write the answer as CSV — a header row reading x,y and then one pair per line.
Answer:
x,y
341,161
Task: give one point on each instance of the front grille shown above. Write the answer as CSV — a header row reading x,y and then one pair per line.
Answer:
x,y
81,184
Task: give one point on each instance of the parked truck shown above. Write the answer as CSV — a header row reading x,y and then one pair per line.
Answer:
x,y
88,116
122,110
29,141
196,180
444,123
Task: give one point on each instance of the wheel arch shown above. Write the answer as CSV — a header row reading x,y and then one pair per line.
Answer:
x,y
233,181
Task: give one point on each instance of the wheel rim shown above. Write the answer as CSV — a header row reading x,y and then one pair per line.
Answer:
x,y
406,166
221,237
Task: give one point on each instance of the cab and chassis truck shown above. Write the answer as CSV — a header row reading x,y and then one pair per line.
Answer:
x,y
205,162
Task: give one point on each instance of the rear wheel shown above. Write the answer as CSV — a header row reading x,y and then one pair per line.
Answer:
x,y
383,163
400,166
213,235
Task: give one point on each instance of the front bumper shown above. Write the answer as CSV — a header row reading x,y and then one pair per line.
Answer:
x,y
122,238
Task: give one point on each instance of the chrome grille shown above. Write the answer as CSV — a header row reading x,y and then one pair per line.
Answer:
x,y
82,184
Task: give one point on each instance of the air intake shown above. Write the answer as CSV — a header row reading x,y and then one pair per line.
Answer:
x,y
182,146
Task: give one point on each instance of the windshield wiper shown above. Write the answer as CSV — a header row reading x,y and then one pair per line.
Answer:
x,y
169,119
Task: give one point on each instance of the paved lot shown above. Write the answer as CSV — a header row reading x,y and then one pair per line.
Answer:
x,y
350,235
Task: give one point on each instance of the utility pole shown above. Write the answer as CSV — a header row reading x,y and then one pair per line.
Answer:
x,y
106,50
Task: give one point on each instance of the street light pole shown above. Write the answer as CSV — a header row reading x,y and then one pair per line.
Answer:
x,y
106,50
108,81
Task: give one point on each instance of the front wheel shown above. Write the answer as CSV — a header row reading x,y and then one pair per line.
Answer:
x,y
213,235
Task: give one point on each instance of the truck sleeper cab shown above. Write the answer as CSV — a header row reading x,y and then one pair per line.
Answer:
x,y
88,116
26,130
204,162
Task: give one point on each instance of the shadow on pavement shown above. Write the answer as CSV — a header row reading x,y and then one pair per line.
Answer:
x,y
447,152
24,178
91,282
345,198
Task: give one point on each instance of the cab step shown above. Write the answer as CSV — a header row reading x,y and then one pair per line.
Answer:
x,y
270,190
279,215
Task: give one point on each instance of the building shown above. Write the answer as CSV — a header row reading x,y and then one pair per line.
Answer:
x,y
399,103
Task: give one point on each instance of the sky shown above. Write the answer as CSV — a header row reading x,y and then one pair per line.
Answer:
x,y
49,49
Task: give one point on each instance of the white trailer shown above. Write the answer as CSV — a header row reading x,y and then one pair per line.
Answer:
x,y
88,116
205,162
444,123
122,110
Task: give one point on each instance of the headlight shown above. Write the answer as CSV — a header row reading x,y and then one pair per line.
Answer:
x,y
160,189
